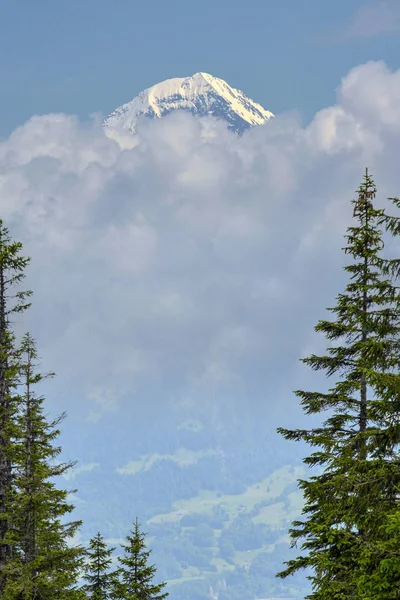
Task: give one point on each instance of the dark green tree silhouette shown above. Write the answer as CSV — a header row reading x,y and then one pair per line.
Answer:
x,y
43,566
350,502
137,575
378,570
12,267
101,581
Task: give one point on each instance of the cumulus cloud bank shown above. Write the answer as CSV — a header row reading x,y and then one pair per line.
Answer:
x,y
193,263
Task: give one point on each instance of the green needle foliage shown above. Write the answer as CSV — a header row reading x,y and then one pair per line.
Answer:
x,y
101,581
43,565
137,575
378,570
353,506
12,266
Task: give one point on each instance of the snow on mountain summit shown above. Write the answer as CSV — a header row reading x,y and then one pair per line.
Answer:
x,y
202,94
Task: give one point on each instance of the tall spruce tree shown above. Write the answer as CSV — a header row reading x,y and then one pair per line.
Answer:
x,y
101,581
12,267
43,565
350,502
137,575
378,569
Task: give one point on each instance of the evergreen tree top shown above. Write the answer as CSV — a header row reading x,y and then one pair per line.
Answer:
x,y
137,574
348,504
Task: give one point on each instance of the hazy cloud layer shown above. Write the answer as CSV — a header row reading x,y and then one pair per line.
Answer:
x,y
375,18
194,264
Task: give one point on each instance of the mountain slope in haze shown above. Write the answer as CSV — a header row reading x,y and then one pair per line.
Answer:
x,y
216,496
202,95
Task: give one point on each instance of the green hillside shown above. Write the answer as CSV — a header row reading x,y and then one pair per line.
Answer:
x,y
214,541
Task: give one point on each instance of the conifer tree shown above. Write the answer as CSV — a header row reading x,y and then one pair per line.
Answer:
x,y
101,581
137,576
350,502
378,569
12,267
43,565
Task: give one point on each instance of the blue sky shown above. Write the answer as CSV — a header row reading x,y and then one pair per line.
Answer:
x,y
85,56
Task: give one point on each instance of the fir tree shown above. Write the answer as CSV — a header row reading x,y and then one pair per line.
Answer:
x,y
101,582
12,266
137,575
43,565
350,502
378,570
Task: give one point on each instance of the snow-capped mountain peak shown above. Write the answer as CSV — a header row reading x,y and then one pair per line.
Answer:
x,y
202,94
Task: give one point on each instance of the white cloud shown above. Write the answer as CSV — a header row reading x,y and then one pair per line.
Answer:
x,y
82,469
194,261
130,248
